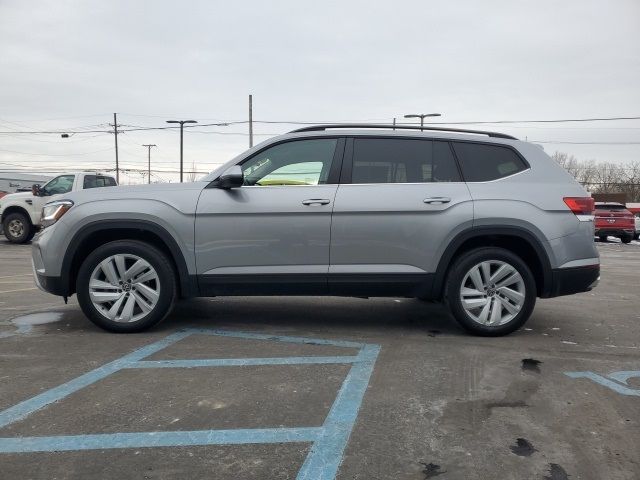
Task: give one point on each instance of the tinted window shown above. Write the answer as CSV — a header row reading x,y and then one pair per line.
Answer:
x,y
610,206
303,162
481,162
61,184
382,160
95,181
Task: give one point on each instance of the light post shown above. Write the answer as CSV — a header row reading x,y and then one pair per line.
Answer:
x,y
422,116
181,122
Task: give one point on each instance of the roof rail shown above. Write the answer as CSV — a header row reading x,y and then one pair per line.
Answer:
x,y
316,128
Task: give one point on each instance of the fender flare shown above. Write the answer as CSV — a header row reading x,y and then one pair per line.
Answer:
x,y
187,282
488,230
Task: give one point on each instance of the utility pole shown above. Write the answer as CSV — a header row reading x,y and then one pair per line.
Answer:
x,y
115,135
181,122
394,123
250,121
149,145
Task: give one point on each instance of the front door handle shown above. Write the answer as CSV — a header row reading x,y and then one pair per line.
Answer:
x,y
437,200
316,201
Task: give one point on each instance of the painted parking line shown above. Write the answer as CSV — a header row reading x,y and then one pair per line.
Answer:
x,y
328,440
616,381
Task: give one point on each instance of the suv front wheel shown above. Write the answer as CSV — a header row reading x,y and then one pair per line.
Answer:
x,y
490,291
126,286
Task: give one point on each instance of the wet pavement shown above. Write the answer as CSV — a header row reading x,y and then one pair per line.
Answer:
x,y
260,387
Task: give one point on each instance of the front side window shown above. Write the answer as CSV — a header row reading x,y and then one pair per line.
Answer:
x,y
95,181
383,160
481,162
301,162
61,184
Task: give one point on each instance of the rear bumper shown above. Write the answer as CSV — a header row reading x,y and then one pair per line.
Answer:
x,y
567,281
614,232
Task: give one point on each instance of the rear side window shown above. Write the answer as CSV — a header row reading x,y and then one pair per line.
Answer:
x,y
383,160
481,162
95,181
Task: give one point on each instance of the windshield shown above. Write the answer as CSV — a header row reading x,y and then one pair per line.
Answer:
x,y
61,184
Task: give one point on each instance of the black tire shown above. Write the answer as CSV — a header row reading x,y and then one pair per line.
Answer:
x,y
166,278
464,264
626,238
603,238
28,231
636,236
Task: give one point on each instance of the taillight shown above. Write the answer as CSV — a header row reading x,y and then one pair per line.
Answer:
x,y
580,205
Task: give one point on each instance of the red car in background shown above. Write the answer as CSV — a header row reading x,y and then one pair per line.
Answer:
x,y
613,219
2,194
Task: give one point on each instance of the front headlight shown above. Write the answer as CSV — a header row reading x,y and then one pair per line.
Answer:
x,y
53,211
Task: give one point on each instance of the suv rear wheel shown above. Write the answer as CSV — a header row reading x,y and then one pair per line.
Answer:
x,y
490,291
17,228
126,286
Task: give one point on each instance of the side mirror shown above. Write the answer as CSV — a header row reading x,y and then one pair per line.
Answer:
x,y
231,178
35,189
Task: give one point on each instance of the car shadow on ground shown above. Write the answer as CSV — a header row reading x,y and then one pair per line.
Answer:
x,y
313,314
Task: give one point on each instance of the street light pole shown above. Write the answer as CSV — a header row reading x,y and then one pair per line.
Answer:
x,y
149,145
422,116
181,122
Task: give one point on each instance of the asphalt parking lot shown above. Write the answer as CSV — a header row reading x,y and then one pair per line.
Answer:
x,y
321,388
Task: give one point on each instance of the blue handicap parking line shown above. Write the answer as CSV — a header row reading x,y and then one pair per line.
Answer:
x,y
616,381
328,440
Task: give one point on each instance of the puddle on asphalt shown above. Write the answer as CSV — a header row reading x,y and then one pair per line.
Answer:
x,y
37,319
25,323
523,448
531,365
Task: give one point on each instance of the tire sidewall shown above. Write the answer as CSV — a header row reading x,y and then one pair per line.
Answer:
x,y
27,228
158,261
454,284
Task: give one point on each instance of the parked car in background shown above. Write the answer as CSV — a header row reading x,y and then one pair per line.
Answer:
x,y
635,209
479,220
2,194
20,213
614,220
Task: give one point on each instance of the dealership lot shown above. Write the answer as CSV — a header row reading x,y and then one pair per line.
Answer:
x,y
285,387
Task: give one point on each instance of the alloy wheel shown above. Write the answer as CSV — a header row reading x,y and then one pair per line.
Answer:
x,y
492,293
124,288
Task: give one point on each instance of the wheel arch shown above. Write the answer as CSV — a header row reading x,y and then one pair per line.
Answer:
x,y
518,240
16,209
98,233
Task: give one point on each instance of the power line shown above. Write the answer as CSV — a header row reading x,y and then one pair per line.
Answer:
x,y
295,122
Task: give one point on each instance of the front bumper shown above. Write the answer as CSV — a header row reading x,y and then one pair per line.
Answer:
x,y
567,281
50,284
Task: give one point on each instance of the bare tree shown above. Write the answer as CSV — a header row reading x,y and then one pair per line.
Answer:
x,y
191,176
603,177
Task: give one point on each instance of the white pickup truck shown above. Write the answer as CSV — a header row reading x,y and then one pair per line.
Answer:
x,y
20,212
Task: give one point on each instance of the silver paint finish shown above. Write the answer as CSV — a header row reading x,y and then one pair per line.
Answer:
x,y
270,226
390,224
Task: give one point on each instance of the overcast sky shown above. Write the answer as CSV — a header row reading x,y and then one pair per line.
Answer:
x,y
68,65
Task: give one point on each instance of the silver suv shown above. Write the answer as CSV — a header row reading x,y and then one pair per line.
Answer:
x,y
479,220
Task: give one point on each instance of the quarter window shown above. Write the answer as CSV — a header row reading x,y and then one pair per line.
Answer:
x,y
302,162
382,160
481,162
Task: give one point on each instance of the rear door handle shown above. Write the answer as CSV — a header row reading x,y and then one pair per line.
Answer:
x,y
316,201
437,200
